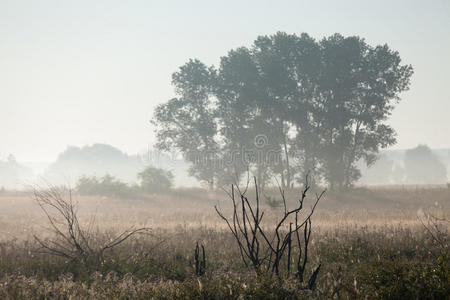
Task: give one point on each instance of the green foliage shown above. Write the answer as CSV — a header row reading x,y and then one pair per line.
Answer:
x,y
396,278
154,180
107,186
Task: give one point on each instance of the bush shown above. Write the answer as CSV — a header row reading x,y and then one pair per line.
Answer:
x,y
154,180
272,252
71,241
107,186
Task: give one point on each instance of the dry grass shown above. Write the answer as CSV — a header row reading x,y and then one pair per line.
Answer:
x,y
370,242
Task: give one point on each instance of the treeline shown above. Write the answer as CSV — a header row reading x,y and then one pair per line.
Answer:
x,y
285,106
95,159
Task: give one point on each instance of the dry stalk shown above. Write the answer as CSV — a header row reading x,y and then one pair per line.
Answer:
x,y
266,252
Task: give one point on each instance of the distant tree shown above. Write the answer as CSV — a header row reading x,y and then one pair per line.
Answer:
x,y
423,166
94,160
13,174
12,159
87,185
188,122
154,180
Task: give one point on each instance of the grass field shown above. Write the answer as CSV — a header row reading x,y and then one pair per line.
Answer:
x,y
371,243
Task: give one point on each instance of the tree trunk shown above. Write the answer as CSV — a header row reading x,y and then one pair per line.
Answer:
x,y
288,168
351,157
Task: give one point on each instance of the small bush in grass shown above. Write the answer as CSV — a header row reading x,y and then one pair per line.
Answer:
x,y
154,180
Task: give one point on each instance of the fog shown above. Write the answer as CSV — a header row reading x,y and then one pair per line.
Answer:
x,y
77,74
224,149
100,159
82,73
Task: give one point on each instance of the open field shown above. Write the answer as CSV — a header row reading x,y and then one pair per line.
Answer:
x,y
371,243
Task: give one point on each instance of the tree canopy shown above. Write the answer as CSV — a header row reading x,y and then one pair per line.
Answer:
x,y
287,105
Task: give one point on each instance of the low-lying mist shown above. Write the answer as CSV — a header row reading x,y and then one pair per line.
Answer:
x,y
418,166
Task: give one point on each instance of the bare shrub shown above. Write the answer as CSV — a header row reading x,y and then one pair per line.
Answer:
x,y
272,252
70,240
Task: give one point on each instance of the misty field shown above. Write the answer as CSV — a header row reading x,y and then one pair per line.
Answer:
x,y
371,243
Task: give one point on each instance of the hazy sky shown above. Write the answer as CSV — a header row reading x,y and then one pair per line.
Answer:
x,y
80,72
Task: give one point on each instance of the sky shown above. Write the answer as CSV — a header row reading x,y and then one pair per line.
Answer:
x,y
83,72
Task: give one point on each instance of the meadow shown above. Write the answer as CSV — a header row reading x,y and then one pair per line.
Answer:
x,y
371,243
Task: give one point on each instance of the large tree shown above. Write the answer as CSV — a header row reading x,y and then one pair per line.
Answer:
x,y
316,105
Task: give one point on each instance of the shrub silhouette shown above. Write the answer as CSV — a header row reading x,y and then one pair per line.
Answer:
x,y
107,186
154,180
